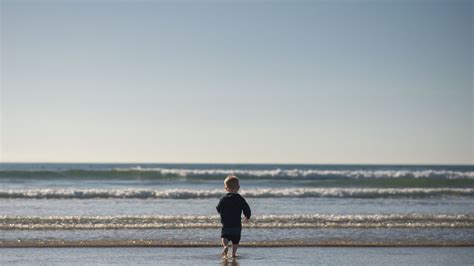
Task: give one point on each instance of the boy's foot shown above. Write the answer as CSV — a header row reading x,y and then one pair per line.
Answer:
x,y
224,252
234,255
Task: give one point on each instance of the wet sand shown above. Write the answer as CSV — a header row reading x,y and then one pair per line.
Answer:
x,y
202,244
247,256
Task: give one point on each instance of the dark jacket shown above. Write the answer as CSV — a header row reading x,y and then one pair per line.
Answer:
x,y
230,208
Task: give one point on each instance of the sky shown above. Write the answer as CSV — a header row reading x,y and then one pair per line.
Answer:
x,y
323,82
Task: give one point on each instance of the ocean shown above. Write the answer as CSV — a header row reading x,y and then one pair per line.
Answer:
x,y
173,205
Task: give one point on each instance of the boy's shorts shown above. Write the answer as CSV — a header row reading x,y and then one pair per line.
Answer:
x,y
232,234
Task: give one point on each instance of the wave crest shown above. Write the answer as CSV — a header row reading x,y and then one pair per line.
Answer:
x,y
266,221
144,172
250,193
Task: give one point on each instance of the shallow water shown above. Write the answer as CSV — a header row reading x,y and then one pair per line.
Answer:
x,y
266,206
247,256
254,237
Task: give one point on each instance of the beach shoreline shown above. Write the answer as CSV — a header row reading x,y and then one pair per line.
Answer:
x,y
262,244
246,256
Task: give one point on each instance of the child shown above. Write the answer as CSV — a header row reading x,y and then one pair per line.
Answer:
x,y
230,208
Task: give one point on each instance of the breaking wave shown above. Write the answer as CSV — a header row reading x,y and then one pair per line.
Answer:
x,y
266,221
195,173
136,193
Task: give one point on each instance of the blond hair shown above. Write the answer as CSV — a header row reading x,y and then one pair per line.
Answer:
x,y
231,182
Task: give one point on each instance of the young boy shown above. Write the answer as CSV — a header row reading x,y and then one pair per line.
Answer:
x,y
230,208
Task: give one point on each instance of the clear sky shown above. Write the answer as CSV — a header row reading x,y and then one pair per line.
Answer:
x,y
237,81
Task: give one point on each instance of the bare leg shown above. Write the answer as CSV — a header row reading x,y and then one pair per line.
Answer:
x,y
234,250
226,248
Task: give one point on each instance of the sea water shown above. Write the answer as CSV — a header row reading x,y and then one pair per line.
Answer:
x,y
173,205
247,256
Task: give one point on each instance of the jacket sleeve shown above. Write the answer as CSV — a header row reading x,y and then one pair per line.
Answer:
x,y
246,209
219,206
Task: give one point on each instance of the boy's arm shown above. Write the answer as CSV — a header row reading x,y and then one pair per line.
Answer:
x,y
246,209
219,206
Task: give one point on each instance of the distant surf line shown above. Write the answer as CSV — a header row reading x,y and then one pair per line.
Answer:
x,y
218,173
139,193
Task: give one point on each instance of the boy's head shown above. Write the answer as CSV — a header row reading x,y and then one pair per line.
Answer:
x,y
231,183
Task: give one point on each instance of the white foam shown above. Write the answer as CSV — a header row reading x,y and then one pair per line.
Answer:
x,y
250,193
266,221
307,173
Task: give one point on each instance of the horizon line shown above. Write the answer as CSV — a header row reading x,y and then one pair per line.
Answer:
x,y
236,163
